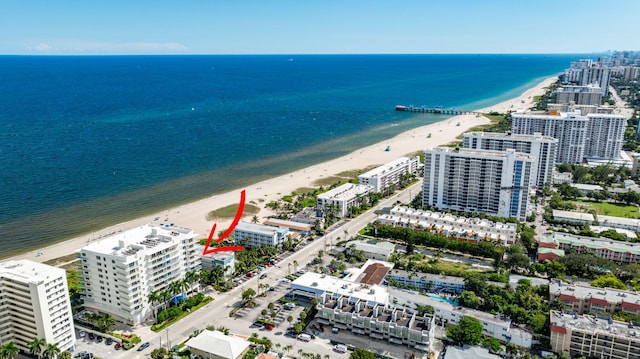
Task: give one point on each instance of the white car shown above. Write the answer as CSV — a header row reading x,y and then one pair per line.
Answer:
x,y
340,348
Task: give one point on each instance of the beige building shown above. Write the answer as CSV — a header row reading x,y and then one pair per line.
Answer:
x,y
587,299
593,337
213,344
34,303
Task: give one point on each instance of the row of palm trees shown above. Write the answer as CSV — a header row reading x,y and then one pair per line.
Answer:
x,y
38,347
174,288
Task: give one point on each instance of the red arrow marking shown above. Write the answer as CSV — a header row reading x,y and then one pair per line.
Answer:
x,y
227,232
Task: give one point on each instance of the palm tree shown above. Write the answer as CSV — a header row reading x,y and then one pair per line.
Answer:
x,y
154,298
106,323
295,265
191,277
289,265
301,352
165,297
65,355
9,350
35,346
51,352
287,348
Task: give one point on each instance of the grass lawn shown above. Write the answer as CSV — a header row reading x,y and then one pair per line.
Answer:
x,y
230,211
609,209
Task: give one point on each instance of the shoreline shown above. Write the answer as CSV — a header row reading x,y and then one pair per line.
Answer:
x,y
193,214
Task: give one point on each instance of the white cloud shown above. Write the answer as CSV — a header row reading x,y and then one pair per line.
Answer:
x,y
42,47
94,47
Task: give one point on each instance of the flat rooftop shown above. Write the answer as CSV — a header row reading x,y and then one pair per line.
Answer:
x,y
147,237
347,288
586,323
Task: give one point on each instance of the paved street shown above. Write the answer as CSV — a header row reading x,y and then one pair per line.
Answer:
x,y
216,313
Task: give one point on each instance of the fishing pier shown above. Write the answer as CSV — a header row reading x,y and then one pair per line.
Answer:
x,y
436,110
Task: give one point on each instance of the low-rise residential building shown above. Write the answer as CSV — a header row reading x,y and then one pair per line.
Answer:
x,y
213,344
587,299
380,250
34,303
119,272
226,260
390,173
327,288
447,312
377,320
464,228
630,224
342,198
303,229
308,215
586,188
594,337
255,235
573,217
602,247
426,281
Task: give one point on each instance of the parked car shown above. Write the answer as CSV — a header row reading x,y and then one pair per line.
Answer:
x,y
82,334
91,336
117,346
143,346
80,354
99,339
304,337
109,341
263,276
340,348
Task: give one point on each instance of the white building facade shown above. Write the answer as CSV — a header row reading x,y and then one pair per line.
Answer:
x,y
390,173
34,303
119,272
492,182
543,148
580,95
343,197
253,235
592,136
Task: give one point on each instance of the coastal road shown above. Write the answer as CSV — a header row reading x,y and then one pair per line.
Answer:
x,y
216,313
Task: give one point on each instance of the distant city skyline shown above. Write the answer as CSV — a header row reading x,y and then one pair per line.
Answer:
x,y
318,27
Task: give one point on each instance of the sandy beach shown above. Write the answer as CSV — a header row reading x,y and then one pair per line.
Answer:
x,y
193,215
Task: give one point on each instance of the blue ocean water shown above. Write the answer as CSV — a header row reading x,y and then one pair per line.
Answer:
x,y
90,141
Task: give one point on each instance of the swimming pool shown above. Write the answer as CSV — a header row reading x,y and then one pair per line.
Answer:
x,y
442,299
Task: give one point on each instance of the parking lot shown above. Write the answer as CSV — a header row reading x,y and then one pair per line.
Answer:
x,y
88,344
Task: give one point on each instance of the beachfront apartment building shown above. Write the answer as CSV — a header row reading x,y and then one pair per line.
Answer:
x,y
605,136
583,298
593,337
34,303
390,173
579,95
569,128
463,228
342,198
543,148
252,235
119,272
592,136
602,247
377,320
586,72
493,182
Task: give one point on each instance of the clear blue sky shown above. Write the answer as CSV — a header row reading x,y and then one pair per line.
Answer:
x,y
310,26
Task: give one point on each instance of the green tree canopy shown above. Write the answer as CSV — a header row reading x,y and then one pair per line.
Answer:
x,y
608,281
468,331
359,353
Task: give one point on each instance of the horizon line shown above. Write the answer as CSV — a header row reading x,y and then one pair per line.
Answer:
x,y
314,54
